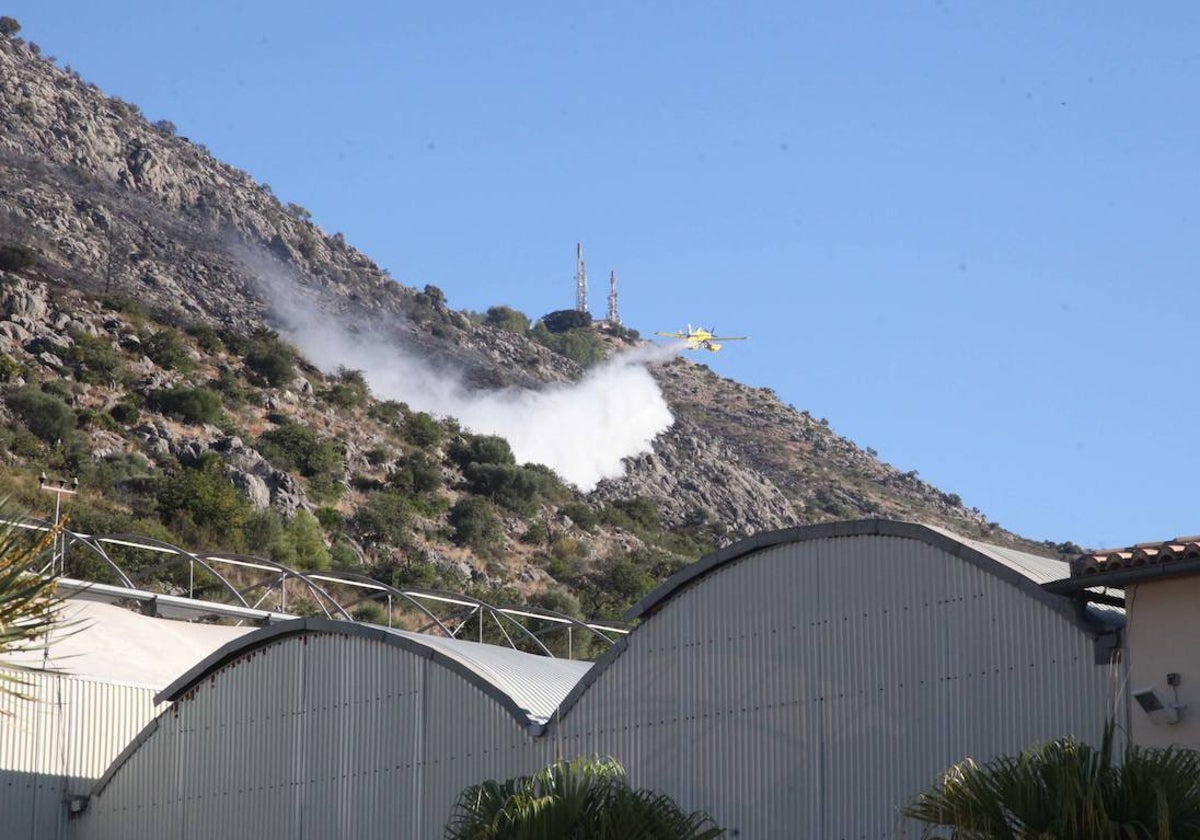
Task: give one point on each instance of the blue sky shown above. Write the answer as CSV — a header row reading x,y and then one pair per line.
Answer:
x,y
965,233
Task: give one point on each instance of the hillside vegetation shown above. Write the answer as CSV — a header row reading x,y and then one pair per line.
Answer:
x,y
139,352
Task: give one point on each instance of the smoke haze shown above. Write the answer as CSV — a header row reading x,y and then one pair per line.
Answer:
x,y
582,430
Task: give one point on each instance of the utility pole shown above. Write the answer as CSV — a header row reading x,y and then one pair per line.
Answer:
x,y
613,318
58,558
580,280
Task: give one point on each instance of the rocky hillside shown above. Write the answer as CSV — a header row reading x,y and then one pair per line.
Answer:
x,y
132,264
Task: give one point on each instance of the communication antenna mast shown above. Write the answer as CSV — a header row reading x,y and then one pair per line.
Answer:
x,y
613,317
580,279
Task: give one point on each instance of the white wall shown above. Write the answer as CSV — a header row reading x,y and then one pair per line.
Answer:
x,y
1163,636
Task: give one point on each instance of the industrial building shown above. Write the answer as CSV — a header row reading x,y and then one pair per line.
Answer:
x,y
802,683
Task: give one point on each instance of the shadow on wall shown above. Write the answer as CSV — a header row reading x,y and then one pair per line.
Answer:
x,y
35,805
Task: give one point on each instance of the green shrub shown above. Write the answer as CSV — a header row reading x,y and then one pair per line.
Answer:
x,y
350,390
506,318
207,339
120,303
125,413
16,258
536,534
582,346
423,431
167,350
45,415
96,360
416,473
191,405
563,320
10,368
387,411
638,512
228,385
384,519
515,488
475,525
330,519
9,26
269,357
296,543
25,444
481,449
200,503
325,489
296,447
581,514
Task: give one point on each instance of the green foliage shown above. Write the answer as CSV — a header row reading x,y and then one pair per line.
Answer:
x,y
25,444
296,447
350,390
125,412
28,605
475,525
435,295
583,799
581,345
423,431
583,515
562,320
119,303
386,519
516,488
506,318
201,505
1068,791
191,405
480,449
626,333
45,415
632,514
416,473
16,257
207,339
268,356
9,27
10,368
95,358
297,543
167,350
233,390
387,411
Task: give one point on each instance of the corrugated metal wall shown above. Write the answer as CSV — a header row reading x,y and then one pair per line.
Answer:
x,y
58,743
811,689
807,690
313,737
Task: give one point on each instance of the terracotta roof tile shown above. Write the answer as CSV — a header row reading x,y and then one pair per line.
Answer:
x,y
1141,554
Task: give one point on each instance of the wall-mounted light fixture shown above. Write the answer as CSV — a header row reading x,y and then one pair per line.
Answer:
x,y
1160,712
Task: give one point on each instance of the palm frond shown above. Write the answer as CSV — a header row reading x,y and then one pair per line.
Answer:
x,y
28,604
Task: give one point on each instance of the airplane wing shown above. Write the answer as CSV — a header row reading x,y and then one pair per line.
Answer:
x,y
671,335
729,338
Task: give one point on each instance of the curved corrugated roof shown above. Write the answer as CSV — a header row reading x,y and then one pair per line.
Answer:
x,y
117,645
1021,569
530,687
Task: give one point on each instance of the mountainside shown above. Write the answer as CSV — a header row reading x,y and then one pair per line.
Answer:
x,y
137,271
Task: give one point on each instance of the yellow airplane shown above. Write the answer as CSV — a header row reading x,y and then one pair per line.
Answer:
x,y
701,339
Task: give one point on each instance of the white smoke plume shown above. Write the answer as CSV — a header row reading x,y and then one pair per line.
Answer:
x,y
582,430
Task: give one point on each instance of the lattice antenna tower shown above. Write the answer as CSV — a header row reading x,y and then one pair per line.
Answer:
x,y
613,317
580,280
